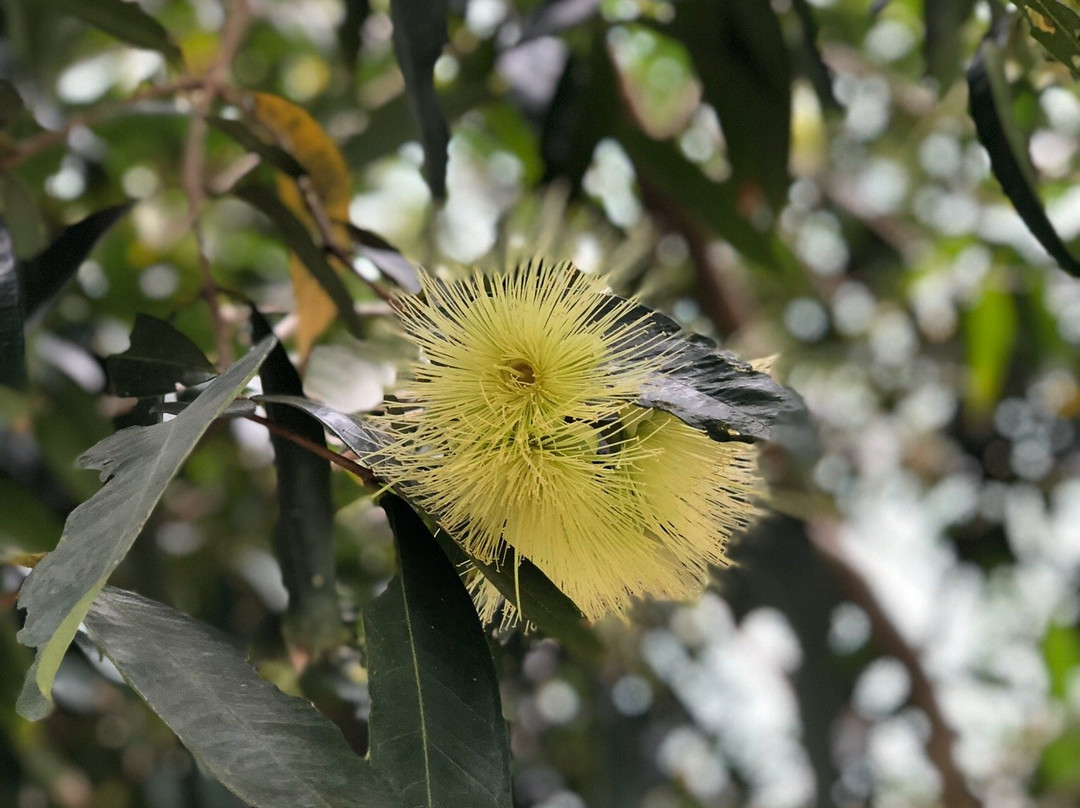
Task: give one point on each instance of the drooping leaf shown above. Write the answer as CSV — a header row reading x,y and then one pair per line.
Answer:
x,y
539,600
437,731
304,534
43,276
1057,27
158,359
349,31
1002,139
12,349
740,55
419,36
20,211
812,64
270,749
273,155
386,258
295,131
297,237
706,387
137,464
943,43
125,21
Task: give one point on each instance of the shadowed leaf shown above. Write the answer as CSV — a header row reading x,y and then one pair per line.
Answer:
x,y
273,155
270,749
437,731
943,45
125,21
419,36
999,134
136,464
12,350
159,358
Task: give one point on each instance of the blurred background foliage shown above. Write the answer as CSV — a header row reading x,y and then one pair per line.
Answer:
x,y
795,177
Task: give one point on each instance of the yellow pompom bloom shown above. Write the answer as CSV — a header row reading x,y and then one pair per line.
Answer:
x,y
521,436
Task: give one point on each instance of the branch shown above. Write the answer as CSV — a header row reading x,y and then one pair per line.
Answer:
x,y
365,474
939,748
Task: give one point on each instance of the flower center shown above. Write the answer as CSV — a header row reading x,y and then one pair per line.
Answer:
x,y
520,373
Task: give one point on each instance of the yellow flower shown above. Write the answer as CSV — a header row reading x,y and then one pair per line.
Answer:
x,y
520,434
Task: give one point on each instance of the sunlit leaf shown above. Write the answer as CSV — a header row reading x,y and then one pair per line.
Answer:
x,y
270,749
136,464
990,328
437,731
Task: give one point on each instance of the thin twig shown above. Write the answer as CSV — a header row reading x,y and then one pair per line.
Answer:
x,y
365,474
939,747
25,149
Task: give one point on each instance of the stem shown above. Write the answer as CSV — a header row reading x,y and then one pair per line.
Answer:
x,y
365,474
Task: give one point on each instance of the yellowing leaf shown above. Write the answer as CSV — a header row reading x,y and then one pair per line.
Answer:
x,y
294,130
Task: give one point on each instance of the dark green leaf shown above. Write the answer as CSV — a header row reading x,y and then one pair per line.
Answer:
x,y
943,44
137,464
298,239
43,276
159,358
23,220
813,65
419,36
273,155
238,409
350,29
304,535
125,21
437,731
386,257
706,387
539,600
270,749
1057,28
739,51
11,104
990,108
12,350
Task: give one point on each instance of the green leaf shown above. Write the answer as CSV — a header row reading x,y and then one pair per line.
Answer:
x,y
419,36
137,464
126,21
999,134
12,349
437,731
304,534
270,749
298,239
273,155
1057,28
350,30
23,219
943,43
990,329
740,55
540,602
159,358
812,64
386,257
706,387
43,276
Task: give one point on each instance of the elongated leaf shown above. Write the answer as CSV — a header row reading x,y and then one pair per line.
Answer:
x,y
350,29
419,36
990,329
298,239
43,276
23,218
137,464
437,731
159,358
386,257
274,155
270,749
990,108
12,349
739,51
540,601
126,21
706,387
943,43
304,535
812,64
1057,27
